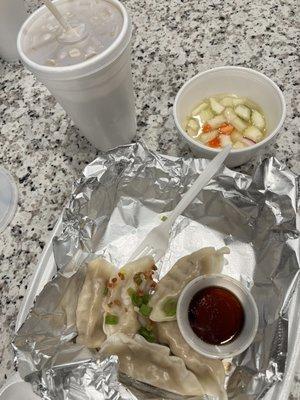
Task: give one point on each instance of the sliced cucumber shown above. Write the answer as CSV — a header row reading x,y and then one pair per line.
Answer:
x,y
243,112
206,137
201,107
227,102
216,106
257,119
253,133
217,121
229,114
237,101
225,140
236,136
239,145
239,124
234,120
206,115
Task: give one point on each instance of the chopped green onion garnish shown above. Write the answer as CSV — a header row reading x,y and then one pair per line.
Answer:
x,y
169,308
111,319
146,298
105,291
163,218
145,310
147,334
135,298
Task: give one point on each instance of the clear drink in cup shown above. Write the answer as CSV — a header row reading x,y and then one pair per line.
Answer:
x,y
87,67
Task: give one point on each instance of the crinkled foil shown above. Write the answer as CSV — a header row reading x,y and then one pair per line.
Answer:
x,y
120,197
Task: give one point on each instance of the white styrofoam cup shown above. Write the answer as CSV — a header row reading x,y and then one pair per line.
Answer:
x,y
12,16
97,93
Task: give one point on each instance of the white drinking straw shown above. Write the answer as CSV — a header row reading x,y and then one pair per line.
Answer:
x,y
53,9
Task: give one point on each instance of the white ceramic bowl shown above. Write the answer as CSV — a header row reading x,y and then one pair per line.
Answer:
x,y
232,80
243,340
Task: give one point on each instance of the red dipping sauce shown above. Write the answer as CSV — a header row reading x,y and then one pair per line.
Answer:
x,y
216,315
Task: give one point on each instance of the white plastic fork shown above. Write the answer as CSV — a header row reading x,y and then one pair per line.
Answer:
x,y
156,242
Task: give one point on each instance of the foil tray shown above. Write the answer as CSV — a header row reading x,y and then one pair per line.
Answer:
x,y
120,197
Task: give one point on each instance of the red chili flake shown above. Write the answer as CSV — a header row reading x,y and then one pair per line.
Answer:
x,y
138,278
110,285
147,274
153,285
122,276
117,302
140,292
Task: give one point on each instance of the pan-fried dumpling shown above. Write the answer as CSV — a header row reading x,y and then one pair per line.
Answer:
x,y
89,313
128,292
210,372
152,363
204,261
70,288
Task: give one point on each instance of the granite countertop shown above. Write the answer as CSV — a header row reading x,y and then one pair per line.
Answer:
x,y
173,40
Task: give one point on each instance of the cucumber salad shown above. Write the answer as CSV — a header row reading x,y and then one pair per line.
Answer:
x,y
227,119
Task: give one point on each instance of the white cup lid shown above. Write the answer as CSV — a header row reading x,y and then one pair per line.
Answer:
x,y
115,44
8,198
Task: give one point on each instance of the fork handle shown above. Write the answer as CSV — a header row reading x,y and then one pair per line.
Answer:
x,y
202,180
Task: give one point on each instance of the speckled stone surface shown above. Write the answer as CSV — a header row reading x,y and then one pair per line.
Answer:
x,y
173,40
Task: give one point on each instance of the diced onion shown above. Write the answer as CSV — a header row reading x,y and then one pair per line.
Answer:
x,y
248,142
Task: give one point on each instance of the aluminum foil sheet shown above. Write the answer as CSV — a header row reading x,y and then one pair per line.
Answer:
x,y
121,196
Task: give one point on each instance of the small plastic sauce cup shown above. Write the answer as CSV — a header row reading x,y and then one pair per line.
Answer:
x,y
248,332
